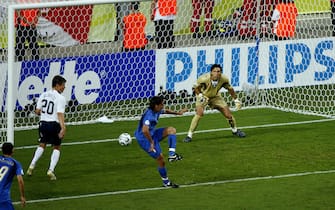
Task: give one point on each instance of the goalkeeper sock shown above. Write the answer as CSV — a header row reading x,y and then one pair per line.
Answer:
x,y
172,139
232,124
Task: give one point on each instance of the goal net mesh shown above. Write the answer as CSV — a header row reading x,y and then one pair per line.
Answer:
x,y
84,42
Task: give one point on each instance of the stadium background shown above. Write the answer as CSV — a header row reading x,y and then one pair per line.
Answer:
x,y
102,22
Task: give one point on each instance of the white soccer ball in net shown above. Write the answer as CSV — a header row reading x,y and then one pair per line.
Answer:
x,y
249,89
125,139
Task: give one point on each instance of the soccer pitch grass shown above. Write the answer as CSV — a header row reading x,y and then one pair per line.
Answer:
x,y
287,161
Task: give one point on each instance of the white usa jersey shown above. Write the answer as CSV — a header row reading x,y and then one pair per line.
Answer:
x,y
50,103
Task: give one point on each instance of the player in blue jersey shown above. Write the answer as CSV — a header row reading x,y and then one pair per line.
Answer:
x,y
9,167
148,137
51,107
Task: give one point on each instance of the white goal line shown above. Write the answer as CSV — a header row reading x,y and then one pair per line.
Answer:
x,y
184,133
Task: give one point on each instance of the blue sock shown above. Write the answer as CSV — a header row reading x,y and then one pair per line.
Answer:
x,y
172,139
163,173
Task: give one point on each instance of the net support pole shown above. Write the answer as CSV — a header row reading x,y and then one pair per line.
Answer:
x,y
10,76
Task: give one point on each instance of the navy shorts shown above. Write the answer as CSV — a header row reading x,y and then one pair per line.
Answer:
x,y
48,132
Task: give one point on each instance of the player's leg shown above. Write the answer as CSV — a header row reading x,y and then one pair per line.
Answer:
x,y
194,123
40,149
219,104
163,172
170,133
157,155
37,155
232,122
55,155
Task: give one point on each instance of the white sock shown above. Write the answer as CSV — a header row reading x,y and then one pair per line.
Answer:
x,y
190,134
38,153
54,159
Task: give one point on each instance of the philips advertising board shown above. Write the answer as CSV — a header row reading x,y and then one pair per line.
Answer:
x,y
279,64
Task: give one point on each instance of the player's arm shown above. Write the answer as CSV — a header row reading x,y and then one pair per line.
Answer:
x,y
38,111
237,102
60,115
232,92
146,133
197,89
181,112
200,97
21,187
61,120
39,106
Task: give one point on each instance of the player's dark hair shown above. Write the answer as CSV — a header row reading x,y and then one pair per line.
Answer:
x,y
58,80
216,66
7,148
156,100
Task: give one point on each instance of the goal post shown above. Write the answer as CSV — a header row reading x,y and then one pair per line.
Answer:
x,y
11,50
10,73
81,41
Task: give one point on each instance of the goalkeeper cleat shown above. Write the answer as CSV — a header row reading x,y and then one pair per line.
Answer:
x,y
170,184
51,175
175,157
239,133
30,171
187,139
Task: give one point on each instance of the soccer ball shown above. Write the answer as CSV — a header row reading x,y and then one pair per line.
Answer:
x,y
125,139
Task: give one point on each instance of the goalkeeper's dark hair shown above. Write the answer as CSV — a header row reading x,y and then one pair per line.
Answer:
x,y
156,100
216,66
7,148
58,80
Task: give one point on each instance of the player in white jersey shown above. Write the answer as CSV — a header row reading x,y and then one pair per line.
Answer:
x,y
51,107
207,93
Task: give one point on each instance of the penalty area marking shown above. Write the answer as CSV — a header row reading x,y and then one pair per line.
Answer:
x,y
181,186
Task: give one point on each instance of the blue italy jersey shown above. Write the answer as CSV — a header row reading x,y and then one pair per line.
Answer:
x,y
9,168
149,118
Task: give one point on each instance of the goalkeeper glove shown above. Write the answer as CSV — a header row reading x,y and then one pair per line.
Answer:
x,y
238,104
203,100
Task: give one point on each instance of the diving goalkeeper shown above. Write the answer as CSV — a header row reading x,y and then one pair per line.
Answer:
x,y
207,93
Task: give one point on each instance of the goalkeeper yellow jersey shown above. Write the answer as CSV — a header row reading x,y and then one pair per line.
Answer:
x,y
211,88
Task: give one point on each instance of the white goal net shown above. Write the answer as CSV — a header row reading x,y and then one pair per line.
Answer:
x,y
114,56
